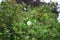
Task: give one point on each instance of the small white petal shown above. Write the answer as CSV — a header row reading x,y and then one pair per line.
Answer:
x,y
25,9
29,23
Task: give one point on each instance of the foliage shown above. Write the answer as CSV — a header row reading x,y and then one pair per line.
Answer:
x,y
13,22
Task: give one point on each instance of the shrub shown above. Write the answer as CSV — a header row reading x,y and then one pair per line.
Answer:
x,y
13,22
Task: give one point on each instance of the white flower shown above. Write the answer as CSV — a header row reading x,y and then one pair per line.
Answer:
x,y
25,8
29,23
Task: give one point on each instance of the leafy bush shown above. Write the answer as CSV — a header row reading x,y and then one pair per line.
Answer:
x,y
42,22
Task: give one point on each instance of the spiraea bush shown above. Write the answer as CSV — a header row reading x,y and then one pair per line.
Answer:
x,y
37,23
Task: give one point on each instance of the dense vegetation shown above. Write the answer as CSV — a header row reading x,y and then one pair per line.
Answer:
x,y
37,23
